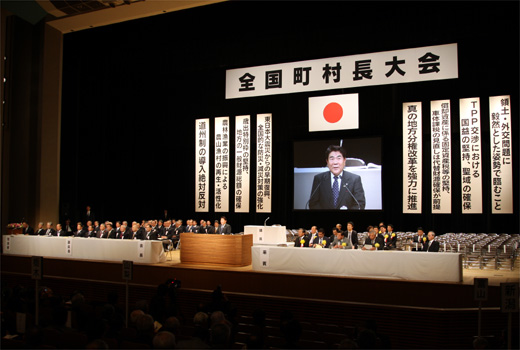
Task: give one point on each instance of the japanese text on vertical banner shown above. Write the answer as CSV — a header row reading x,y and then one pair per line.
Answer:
x,y
501,155
202,164
471,164
222,164
441,156
412,157
242,156
264,163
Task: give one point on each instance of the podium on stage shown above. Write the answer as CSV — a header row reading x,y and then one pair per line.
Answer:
x,y
267,235
230,250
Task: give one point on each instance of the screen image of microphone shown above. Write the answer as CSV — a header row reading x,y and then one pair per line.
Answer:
x,y
312,195
358,206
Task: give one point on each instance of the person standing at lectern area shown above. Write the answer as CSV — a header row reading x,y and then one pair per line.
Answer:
x,y
224,227
89,214
337,188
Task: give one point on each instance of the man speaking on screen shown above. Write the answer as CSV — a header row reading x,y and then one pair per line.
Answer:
x,y
336,188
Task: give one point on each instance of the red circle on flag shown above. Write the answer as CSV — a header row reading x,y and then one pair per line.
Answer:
x,y
333,112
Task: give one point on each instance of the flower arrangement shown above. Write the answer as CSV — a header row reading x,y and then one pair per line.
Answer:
x,y
15,225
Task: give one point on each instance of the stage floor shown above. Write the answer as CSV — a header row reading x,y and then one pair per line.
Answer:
x,y
495,277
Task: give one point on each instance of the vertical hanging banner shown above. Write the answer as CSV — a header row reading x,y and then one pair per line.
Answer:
x,y
470,156
202,165
501,155
412,157
222,164
264,163
242,156
441,156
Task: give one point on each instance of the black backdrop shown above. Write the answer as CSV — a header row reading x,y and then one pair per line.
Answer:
x,y
132,92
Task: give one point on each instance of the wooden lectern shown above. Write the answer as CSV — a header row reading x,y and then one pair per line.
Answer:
x,y
231,250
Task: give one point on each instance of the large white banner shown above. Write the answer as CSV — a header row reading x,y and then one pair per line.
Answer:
x,y
242,157
379,68
441,156
222,164
202,164
412,157
264,162
470,153
501,155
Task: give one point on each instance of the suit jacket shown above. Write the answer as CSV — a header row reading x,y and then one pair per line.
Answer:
x,y
150,236
311,241
351,193
92,234
340,242
50,232
431,246
298,239
81,233
179,230
103,234
354,238
391,242
121,234
28,230
378,239
224,229
324,239
60,233
112,234
41,231
206,229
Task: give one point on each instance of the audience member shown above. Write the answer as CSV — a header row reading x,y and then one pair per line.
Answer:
x,y
164,340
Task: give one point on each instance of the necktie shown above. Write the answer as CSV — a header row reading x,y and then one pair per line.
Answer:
x,y
335,190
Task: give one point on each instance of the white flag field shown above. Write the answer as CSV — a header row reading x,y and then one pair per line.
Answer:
x,y
336,112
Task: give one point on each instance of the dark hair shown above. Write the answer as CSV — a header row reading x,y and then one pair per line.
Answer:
x,y
390,225
335,148
321,230
420,228
350,222
223,217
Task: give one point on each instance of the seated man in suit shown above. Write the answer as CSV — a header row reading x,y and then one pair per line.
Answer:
x,y
27,230
373,240
149,235
124,232
81,232
431,245
40,231
341,242
390,238
102,233
50,231
419,240
322,240
59,231
135,234
205,228
111,232
351,235
337,188
224,227
313,235
302,237
91,232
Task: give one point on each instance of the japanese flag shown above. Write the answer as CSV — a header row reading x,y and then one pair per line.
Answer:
x,y
338,112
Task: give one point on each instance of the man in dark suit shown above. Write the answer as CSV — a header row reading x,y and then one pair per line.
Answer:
x,y
390,238
373,239
102,233
59,231
40,231
351,235
336,188
302,237
27,230
149,235
89,215
419,240
50,231
224,227
110,231
431,245
81,232
322,240
204,228
91,232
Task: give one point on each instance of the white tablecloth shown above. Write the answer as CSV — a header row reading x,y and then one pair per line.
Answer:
x,y
85,248
417,266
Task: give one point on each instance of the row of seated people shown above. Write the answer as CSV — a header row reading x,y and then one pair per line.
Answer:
x,y
147,230
382,238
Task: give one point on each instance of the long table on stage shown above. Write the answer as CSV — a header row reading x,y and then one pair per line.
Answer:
x,y
232,250
417,266
147,252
